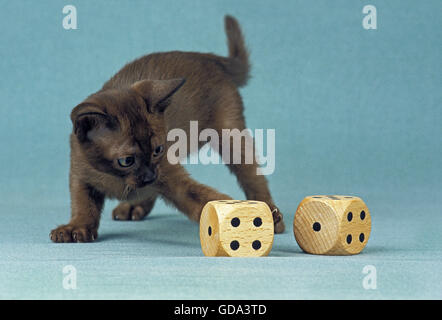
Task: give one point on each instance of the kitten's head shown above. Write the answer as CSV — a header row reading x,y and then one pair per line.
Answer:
x,y
122,133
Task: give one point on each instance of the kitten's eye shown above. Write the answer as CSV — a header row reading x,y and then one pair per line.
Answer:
x,y
126,161
158,150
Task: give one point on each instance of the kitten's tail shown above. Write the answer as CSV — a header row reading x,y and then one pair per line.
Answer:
x,y
237,65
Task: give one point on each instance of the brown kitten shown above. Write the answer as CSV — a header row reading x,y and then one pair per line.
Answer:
x,y
118,143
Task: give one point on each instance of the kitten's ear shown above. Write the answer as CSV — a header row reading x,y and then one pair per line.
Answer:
x,y
156,93
86,117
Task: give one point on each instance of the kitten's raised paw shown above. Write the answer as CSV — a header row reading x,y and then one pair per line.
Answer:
x,y
71,233
125,211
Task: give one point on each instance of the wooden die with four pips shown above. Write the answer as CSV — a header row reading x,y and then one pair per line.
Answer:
x,y
236,228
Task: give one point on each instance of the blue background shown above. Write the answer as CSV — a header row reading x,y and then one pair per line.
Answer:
x,y
355,111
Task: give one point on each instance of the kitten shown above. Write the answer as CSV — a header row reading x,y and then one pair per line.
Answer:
x,y
118,143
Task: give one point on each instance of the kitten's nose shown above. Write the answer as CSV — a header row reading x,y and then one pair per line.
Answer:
x,y
149,176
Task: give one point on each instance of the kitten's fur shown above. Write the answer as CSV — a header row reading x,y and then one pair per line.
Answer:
x,y
131,115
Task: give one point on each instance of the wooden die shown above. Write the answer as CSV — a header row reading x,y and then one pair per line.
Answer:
x,y
236,228
332,225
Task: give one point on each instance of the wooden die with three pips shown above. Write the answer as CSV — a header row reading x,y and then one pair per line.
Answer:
x,y
323,224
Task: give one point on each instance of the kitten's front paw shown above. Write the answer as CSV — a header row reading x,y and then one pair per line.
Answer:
x,y
72,233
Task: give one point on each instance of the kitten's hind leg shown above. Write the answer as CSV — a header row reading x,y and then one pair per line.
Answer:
x,y
135,212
